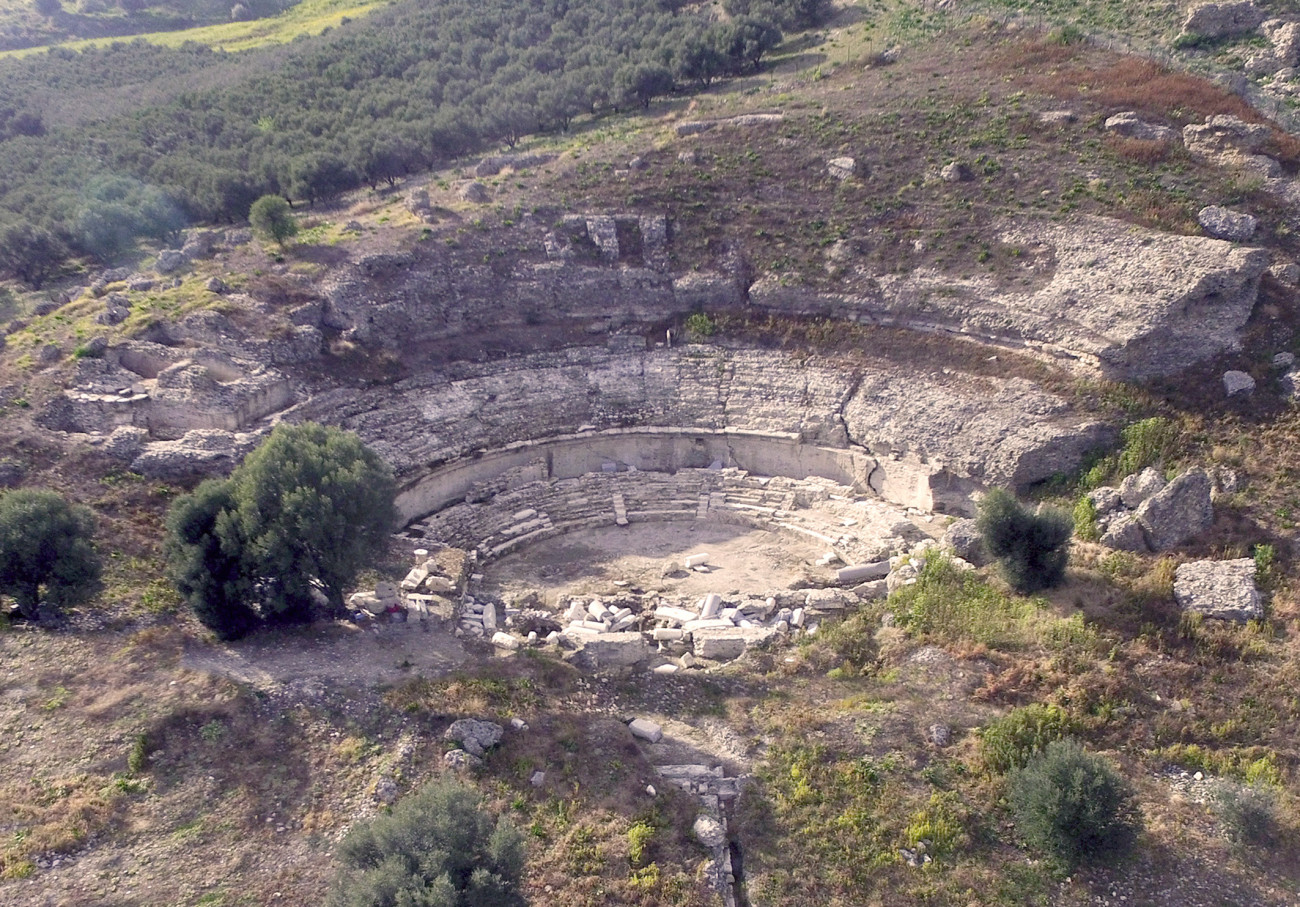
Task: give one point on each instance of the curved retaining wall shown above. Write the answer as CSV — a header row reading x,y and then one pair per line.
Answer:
x,y
666,450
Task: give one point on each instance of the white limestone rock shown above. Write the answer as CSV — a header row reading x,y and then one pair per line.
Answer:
x,y
1224,590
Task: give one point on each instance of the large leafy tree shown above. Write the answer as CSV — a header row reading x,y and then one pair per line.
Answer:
x,y
205,552
272,218
299,518
46,554
315,505
30,253
438,848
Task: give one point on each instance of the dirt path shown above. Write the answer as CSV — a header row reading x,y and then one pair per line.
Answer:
x,y
339,654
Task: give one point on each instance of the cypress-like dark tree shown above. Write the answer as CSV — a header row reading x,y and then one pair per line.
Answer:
x,y
1032,548
46,553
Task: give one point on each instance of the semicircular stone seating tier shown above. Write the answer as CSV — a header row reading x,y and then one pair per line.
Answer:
x,y
855,527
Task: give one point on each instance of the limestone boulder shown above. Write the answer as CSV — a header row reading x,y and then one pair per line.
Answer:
x,y
1229,141
1178,512
1138,487
1124,533
1237,383
1224,223
963,539
1224,590
1222,20
843,168
1106,500
606,651
1129,125
474,736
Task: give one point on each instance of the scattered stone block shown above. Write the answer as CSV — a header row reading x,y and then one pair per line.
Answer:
x,y
1237,383
859,573
473,735
1223,223
695,560
505,641
1224,590
645,729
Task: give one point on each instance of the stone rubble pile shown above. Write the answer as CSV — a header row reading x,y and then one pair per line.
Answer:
x,y
667,633
1146,514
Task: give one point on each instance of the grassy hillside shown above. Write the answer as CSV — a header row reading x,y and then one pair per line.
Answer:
x,y
142,763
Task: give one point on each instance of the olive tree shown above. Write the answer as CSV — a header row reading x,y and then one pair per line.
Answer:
x,y
271,218
296,521
438,848
46,554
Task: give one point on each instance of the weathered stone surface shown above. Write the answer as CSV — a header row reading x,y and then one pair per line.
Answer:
x,y
956,172
1128,124
1106,500
1220,589
460,760
1135,489
474,735
1285,38
170,261
600,651
494,164
1181,510
842,168
474,192
1222,223
646,730
1238,383
1221,20
1229,141
709,831
963,539
202,452
726,643
1124,533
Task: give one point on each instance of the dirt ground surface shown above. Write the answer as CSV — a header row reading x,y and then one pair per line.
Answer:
x,y
340,654
649,556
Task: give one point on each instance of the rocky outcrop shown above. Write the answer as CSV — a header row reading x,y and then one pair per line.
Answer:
x,y
1178,512
1145,514
1130,126
932,437
1222,20
1224,590
1229,141
1224,223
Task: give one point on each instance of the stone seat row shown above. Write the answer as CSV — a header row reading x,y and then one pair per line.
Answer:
x,y
541,509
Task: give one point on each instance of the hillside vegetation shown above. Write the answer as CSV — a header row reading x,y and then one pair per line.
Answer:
x,y
143,762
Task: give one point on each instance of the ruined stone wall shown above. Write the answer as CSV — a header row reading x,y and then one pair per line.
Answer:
x,y
922,439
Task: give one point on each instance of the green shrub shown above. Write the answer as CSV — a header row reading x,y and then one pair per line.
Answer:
x,y
699,326
1012,740
1085,519
1031,548
1149,442
953,606
1073,805
437,847
138,759
639,837
1248,812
